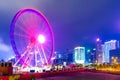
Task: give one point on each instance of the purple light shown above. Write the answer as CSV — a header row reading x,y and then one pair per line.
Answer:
x,y
41,38
97,39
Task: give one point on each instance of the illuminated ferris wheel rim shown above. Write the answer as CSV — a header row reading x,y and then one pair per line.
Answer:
x,y
41,38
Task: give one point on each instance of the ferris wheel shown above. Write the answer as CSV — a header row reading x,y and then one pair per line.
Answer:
x,y
31,38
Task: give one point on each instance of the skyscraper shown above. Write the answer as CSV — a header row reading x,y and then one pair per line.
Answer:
x,y
79,55
99,51
103,53
109,45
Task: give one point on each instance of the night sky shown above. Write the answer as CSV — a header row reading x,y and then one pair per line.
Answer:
x,y
74,22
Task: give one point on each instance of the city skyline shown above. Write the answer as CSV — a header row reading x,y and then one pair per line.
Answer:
x,y
74,23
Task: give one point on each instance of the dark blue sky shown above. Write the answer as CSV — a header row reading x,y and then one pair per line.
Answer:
x,y
74,22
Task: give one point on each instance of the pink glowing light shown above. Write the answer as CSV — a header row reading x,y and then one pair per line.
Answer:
x,y
97,39
41,39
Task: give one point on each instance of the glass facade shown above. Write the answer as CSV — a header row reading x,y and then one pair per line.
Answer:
x,y
110,45
80,55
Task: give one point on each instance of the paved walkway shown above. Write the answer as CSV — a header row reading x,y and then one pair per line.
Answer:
x,y
84,76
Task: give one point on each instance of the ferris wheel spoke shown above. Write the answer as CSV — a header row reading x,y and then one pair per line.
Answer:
x,y
20,58
48,50
42,24
44,30
29,61
22,55
35,53
28,20
25,60
24,23
44,54
48,42
39,22
40,55
33,19
48,35
20,35
47,46
22,29
21,22
29,48
30,25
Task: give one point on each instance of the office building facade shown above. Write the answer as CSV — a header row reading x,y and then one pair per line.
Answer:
x,y
107,46
79,55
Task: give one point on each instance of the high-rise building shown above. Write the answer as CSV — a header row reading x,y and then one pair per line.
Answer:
x,y
69,56
109,45
99,51
87,56
93,56
90,56
79,55
59,58
103,53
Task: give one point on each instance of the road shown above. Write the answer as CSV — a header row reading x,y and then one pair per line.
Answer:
x,y
84,76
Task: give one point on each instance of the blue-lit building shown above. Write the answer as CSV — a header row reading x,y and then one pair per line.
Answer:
x,y
64,57
79,55
60,58
90,56
69,56
99,51
106,47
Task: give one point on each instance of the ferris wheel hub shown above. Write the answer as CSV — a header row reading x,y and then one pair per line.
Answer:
x,y
32,39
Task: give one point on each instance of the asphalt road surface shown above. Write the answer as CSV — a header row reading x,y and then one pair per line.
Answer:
x,y
84,76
